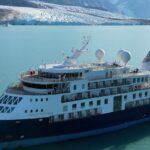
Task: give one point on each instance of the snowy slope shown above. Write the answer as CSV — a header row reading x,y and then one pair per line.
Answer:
x,y
48,13
56,14
132,8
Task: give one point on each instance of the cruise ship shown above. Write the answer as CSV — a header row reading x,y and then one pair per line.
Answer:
x,y
69,100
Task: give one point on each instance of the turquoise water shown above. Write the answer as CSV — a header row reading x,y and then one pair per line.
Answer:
x,y
24,47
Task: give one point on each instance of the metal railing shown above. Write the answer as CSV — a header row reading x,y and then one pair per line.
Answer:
x,y
110,91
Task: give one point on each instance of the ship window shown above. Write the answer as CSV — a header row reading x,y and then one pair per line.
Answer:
x,y
14,101
80,74
1,107
83,86
36,99
71,115
30,100
74,106
12,108
142,79
146,93
137,103
8,110
80,114
20,98
25,111
86,71
134,96
65,108
74,87
46,99
125,97
31,110
61,117
82,105
2,110
36,110
146,78
134,80
138,79
41,99
106,74
106,101
41,110
98,102
91,103
140,94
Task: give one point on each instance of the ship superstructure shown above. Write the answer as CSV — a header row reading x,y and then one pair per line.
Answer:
x,y
69,100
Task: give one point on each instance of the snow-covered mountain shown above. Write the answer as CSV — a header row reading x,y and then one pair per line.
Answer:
x,y
131,8
58,14
93,12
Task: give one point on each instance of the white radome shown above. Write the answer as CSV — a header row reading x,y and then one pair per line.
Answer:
x,y
100,53
124,56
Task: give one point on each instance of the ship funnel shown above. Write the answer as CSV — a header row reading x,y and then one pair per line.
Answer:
x,y
146,62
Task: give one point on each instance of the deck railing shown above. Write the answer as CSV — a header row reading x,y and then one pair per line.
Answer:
x,y
110,91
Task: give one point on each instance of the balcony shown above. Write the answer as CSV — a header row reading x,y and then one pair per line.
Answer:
x,y
98,85
35,77
99,93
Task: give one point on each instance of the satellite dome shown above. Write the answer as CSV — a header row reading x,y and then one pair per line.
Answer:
x,y
124,56
100,53
120,52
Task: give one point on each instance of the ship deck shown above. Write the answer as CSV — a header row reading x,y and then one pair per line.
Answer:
x,y
19,90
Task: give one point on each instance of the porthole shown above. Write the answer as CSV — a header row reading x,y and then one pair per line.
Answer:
x,y
41,99
36,100
31,111
36,110
25,111
41,110
46,99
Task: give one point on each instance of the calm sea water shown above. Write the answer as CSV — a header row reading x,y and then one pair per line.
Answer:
x,y
24,47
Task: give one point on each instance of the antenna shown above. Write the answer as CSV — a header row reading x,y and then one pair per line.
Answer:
x,y
76,53
85,42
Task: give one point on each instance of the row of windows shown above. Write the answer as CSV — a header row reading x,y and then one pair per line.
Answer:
x,y
75,115
4,109
142,79
109,83
82,105
60,75
75,86
34,111
10,100
137,94
140,95
45,86
37,100
137,103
